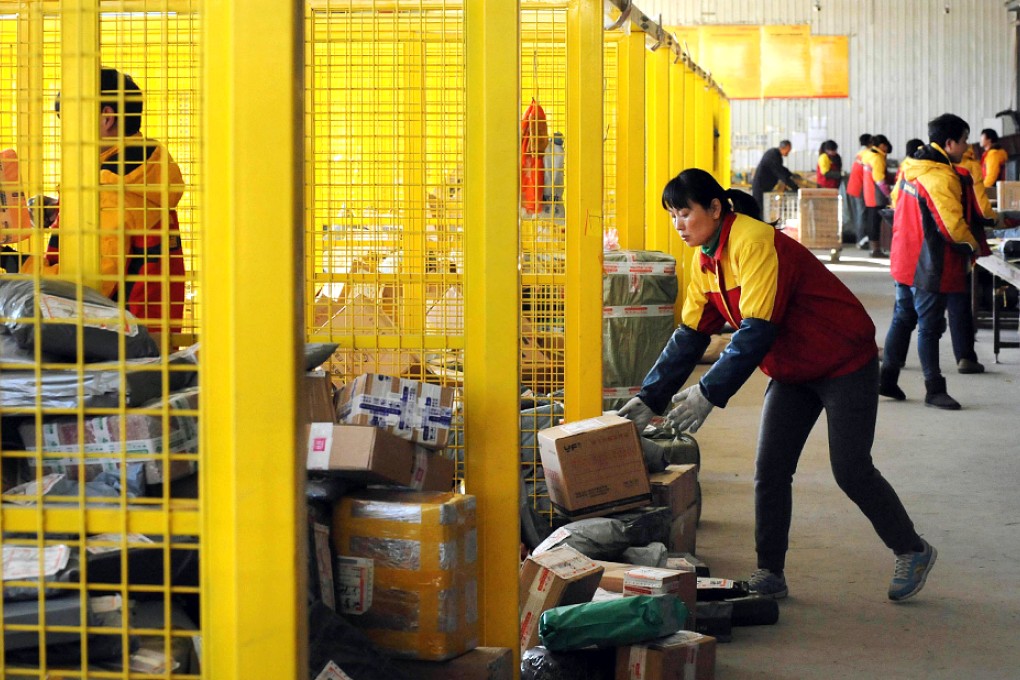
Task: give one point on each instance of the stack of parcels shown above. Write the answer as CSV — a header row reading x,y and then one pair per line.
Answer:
x,y
408,570
141,441
382,430
639,290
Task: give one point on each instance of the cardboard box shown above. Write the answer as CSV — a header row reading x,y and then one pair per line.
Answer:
x,y
683,536
594,467
676,488
613,574
431,470
481,663
143,439
685,655
558,577
614,578
318,391
408,570
416,411
652,581
360,316
360,452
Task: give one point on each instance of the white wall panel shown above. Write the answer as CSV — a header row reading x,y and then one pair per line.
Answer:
x,y
910,61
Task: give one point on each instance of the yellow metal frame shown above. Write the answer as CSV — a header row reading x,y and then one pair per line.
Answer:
x,y
254,614
583,177
491,356
657,143
630,142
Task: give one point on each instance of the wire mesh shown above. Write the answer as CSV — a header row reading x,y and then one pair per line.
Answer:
x,y
611,63
100,453
543,234
385,112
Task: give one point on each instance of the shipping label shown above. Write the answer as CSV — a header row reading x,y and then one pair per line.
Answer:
x,y
323,560
320,443
355,576
96,316
23,562
332,672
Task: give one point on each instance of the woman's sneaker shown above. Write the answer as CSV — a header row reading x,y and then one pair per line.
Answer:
x,y
770,584
911,572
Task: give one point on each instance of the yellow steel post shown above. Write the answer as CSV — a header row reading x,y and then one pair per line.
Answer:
x,y
583,305
657,142
79,141
491,354
630,141
702,124
725,177
690,115
677,115
253,548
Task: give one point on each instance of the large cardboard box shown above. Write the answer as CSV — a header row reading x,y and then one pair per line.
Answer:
x,y
431,470
360,452
683,536
653,581
675,488
481,663
416,411
685,655
318,392
594,467
558,577
408,570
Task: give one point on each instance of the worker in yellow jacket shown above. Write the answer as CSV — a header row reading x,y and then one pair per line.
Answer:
x,y
140,186
993,160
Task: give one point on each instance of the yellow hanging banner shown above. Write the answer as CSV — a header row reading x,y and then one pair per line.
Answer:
x,y
733,56
830,66
785,69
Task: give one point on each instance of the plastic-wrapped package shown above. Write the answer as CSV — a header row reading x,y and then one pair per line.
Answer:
x,y
56,303
408,570
611,622
316,353
599,538
534,527
538,663
651,555
639,290
678,449
22,563
646,525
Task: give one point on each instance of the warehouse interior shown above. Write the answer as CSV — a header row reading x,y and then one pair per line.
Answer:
x,y
327,368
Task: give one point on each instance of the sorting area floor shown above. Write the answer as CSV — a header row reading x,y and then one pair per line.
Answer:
x,y
957,474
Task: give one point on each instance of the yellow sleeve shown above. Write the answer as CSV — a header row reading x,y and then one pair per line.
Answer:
x,y
878,168
756,268
945,193
994,165
824,163
112,236
697,313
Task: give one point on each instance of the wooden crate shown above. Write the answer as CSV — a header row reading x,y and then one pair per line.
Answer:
x,y
821,218
1007,195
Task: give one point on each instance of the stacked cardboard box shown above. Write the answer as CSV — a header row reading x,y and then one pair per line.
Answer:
x,y
558,577
677,489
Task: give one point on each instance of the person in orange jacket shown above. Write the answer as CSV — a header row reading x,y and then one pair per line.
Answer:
x,y
829,170
140,186
993,160
876,191
855,188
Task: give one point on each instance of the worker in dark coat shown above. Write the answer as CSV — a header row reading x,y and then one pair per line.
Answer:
x,y
771,171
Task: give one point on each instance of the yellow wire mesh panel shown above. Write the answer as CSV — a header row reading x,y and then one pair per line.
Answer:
x,y
98,399
385,112
543,229
611,51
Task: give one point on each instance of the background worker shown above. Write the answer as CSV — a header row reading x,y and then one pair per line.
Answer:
x,y
140,186
993,159
876,191
855,191
829,170
931,251
771,171
807,332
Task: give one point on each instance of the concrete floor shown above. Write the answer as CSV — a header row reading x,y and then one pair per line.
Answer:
x,y
957,474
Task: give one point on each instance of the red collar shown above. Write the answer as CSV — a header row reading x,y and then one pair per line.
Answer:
x,y
724,236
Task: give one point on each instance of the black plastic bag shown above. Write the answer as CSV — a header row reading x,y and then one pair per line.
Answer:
x,y
332,638
538,663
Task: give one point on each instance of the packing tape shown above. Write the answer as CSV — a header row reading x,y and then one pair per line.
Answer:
x,y
640,268
636,311
637,663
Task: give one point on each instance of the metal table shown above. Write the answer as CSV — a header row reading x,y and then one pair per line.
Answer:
x,y
1008,272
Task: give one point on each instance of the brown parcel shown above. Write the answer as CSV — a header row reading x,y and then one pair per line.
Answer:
x,y
318,391
557,577
683,534
594,467
481,663
676,488
685,655
361,452
615,573
654,581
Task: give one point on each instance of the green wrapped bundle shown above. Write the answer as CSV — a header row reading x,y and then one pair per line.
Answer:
x,y
611,623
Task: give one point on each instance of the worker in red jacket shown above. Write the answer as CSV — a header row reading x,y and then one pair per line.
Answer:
x,y
829,170
932,248
876,190
855,188
797,322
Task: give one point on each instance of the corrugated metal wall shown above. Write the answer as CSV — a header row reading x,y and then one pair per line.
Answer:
x,y
910,61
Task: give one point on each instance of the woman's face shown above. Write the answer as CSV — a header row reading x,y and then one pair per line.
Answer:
x,y
695,223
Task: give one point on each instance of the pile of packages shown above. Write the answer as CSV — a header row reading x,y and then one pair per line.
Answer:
x,y
56,359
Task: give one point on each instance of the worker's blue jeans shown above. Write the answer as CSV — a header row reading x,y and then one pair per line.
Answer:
x,y
961,325
925,311
788,415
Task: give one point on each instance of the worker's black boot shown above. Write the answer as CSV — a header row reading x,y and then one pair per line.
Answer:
x,y
887,386
936,395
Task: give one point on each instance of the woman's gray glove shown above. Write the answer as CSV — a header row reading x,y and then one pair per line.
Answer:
x,y
638,413
691,407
